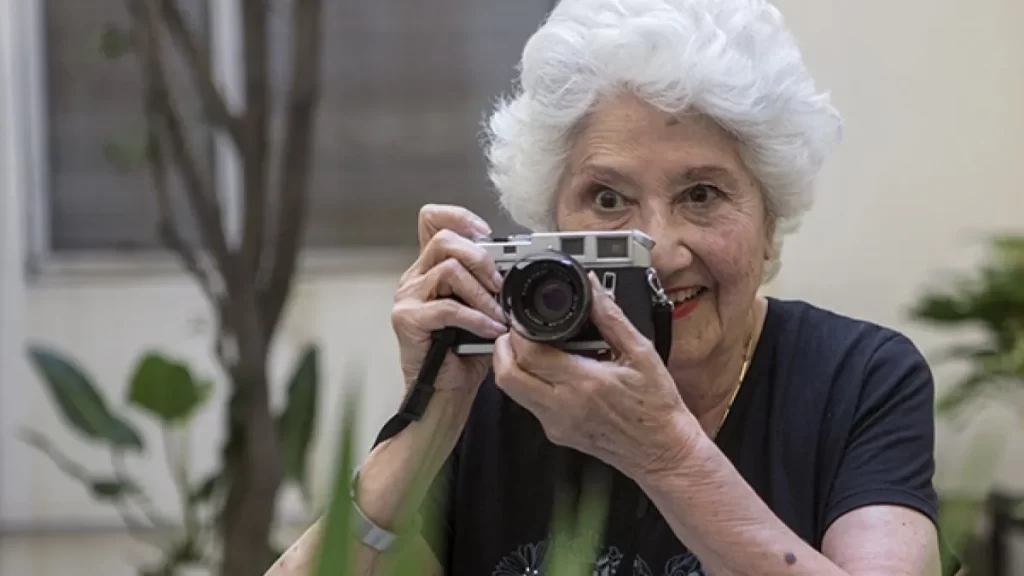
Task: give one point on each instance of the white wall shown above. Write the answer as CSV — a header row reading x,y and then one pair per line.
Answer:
x,y
931,94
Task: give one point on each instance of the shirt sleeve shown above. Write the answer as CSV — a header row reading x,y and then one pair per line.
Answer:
x,y
889,456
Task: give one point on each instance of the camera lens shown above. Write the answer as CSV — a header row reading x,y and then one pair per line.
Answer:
x,y
553,299
547,297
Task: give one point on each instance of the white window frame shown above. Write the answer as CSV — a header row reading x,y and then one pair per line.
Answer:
x,y
31,114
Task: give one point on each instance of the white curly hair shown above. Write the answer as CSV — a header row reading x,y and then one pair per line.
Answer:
x,y
733,61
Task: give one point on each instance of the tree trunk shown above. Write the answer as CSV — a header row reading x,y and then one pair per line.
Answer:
x,y
252,461
248,286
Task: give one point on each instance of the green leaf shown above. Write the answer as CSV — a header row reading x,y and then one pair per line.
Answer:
x,y
113,489
991,299
123,435
79,401
115,41
165,388
297,422
336,559
574,542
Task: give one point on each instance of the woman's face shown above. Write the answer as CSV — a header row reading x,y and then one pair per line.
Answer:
x,y
681,181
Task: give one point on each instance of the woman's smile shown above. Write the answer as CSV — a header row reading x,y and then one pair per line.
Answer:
x,y
685,300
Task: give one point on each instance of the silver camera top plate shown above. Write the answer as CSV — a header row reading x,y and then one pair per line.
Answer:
x,y
600,249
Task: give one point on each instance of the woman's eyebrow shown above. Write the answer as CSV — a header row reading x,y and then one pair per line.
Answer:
x,y
606,173
706,172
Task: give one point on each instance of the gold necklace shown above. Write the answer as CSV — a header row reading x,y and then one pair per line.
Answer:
x,y
739,383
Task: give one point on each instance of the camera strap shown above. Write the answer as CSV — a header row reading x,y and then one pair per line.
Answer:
x,y
663,328
414,405
662,312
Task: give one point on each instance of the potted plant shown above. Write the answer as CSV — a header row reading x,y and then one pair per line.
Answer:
x,y
990,300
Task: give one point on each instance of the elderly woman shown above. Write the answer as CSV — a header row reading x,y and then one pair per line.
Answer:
x,y
777,438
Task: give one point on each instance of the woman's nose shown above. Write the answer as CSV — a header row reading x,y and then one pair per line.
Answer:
x,y
671,253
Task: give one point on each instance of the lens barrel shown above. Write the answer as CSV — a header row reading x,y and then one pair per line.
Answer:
x,y
547,297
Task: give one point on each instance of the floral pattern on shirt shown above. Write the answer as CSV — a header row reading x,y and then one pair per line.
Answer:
x,y
528,560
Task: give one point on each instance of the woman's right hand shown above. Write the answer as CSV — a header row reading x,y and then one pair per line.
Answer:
x,y
449,264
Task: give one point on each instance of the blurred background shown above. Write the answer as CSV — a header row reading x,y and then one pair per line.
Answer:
x,y
118,413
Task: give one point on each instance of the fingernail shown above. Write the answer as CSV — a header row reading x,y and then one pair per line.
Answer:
x,y
598,287
497,281
482,228
497,329
498,312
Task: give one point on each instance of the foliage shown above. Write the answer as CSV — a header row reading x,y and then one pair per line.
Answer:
x,y
167,391
992,299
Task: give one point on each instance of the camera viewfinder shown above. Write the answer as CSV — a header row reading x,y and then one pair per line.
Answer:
x,y
612,247
572,246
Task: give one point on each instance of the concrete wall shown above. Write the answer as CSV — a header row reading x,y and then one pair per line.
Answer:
x,y
932,96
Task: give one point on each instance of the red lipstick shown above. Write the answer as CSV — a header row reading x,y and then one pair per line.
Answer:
x,y
684,309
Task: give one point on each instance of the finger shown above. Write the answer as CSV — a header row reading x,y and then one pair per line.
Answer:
x,y
436,217
549,364
450,278
426,317
614,326
447,244
525,389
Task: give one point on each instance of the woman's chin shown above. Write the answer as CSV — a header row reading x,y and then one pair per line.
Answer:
x,y
694,335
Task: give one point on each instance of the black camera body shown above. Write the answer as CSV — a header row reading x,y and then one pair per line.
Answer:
x,y
546,295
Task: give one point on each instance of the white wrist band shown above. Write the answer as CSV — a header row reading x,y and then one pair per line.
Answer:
x,y
369,533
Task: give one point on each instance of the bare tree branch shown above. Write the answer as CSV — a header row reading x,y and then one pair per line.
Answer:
x,y
255,168
169,227
293,191
201,197
198,61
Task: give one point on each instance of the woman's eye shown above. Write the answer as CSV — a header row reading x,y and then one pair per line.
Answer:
x,y
608,199
701,194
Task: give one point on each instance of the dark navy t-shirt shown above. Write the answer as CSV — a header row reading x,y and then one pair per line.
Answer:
x,y
834,414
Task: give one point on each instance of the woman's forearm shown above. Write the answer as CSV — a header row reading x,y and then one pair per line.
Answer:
x,y
722,520
397,472
391,476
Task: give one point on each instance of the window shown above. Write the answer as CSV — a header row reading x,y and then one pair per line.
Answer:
x,y
405,86
93,102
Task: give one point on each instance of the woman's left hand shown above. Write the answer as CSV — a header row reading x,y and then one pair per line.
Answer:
x,y
626,412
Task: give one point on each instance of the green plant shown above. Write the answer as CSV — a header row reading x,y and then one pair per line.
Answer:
x,y
168,391
992,299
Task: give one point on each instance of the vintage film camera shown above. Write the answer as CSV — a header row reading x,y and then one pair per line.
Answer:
x,y
546,295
